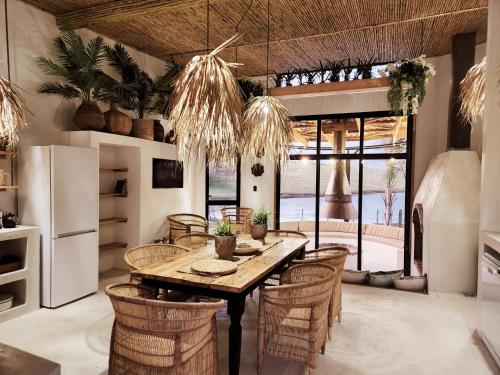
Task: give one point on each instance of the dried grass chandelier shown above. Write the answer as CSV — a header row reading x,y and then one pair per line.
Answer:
x,y
206,108
472,92
267,130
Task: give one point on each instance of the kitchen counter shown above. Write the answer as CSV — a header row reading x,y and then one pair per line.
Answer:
x,y
492,239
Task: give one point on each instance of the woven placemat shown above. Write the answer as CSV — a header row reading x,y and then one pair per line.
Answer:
x,y
237,260
214,267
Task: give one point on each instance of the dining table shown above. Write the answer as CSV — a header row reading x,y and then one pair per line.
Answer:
x,y
234,288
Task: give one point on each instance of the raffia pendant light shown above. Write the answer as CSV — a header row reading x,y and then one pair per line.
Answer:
x,y
267,130
206,108
472,92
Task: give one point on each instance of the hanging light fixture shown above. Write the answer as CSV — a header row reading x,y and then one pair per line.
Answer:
x,y
13,109
267,130
206,107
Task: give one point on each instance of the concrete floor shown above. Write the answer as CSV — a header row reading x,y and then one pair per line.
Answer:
x,y
382,332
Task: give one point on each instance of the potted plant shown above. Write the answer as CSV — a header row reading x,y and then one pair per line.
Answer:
x,y
225,240
79,76
138,92
258,229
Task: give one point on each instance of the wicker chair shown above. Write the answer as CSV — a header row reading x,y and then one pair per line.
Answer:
x,y
186,223
239,217
195,241
147,255
334,256
152,337
293,317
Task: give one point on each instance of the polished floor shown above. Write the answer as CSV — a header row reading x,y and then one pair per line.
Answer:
x,y
382,332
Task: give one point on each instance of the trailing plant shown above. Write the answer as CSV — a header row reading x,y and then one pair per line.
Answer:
x,y
408,78
78,69
224,229
261,217
347,68
137,91
250,89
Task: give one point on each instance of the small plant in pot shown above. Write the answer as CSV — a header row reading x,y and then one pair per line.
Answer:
x,y
79,76
259,224
225,240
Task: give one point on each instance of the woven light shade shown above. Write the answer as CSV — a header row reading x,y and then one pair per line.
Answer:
x,y
13,114
267,130
206,109
472,92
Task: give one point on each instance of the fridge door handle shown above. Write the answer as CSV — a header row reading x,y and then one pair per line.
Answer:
x,y
76,233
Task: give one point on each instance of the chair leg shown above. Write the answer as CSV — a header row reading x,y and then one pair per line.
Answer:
x,y
215,344
323,348
261,331
339,316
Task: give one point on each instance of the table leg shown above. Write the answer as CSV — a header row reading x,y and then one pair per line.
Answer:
x,y
302,253
235,309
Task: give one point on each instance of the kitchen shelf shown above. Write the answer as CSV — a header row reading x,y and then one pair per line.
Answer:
x,y
120,170
112,245
118,195
111,220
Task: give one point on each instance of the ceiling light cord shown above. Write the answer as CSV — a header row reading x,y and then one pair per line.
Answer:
x,y
268,43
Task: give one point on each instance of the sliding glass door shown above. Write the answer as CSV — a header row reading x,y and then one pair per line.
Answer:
x,y
352,187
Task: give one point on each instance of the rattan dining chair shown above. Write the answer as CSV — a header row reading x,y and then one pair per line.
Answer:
x,y
239,217
147,255
181,224
274,279
334,256
195,241
293,317
152,337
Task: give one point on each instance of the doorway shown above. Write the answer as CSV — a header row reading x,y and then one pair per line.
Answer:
x,y
349,182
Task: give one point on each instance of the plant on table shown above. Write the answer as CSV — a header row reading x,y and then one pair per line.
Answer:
x,y
260,220
408,79
225,240
78,76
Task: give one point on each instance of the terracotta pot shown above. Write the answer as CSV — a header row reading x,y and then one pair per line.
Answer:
x,y
159,131
117,122
258,231
225,246
142,128
88,116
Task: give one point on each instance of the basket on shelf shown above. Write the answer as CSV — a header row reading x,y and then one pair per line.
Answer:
x,y
88,116
159,131
143,128
117,122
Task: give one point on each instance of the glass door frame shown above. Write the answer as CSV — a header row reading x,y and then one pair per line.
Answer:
x,y
361,156
222,202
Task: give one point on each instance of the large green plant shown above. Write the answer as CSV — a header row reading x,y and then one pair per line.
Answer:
x,y
137,91
78,69
261,217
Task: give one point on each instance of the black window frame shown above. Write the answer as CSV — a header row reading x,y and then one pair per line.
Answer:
x,y
222,202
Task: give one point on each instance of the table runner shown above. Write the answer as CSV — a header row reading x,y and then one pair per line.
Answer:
x,y
237,259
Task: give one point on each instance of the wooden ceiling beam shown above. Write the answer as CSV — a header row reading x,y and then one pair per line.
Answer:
x,y
120,10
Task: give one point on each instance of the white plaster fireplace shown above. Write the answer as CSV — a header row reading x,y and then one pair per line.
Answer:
x,y
445,220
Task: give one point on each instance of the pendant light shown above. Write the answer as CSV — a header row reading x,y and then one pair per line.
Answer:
x,y
206,107
267,130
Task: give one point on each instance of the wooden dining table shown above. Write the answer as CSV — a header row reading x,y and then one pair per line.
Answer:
x,y
234,287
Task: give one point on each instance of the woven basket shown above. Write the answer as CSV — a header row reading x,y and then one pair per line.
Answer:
x,y
88,116
117,122
159,131
142,128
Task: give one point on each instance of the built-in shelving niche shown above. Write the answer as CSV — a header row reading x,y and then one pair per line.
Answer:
x,y
17,247
18,290
118,212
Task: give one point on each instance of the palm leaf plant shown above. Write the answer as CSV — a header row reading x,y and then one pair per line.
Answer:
x,y
278,79
364,69
250,89
310,77
78,75
347,69
323,72
335,68
289,76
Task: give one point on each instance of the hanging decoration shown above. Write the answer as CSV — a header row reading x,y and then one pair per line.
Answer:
x,y
472,92
408,79
267,130
13,114
206,107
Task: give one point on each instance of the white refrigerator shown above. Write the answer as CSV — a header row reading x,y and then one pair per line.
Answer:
x,y
59,193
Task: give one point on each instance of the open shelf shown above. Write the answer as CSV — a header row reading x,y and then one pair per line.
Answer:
x,y
113,170
110,220
112,245
5,187
118,195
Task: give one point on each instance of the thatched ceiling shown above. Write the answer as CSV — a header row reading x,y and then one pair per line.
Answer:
x,y
302,31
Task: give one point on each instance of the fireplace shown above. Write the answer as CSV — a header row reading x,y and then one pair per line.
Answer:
x,y
445,220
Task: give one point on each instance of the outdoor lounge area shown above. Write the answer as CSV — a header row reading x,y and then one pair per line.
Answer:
x,y
211,187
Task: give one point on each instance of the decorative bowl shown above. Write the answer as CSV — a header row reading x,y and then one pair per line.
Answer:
x,y
384,279
354,276
411,283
